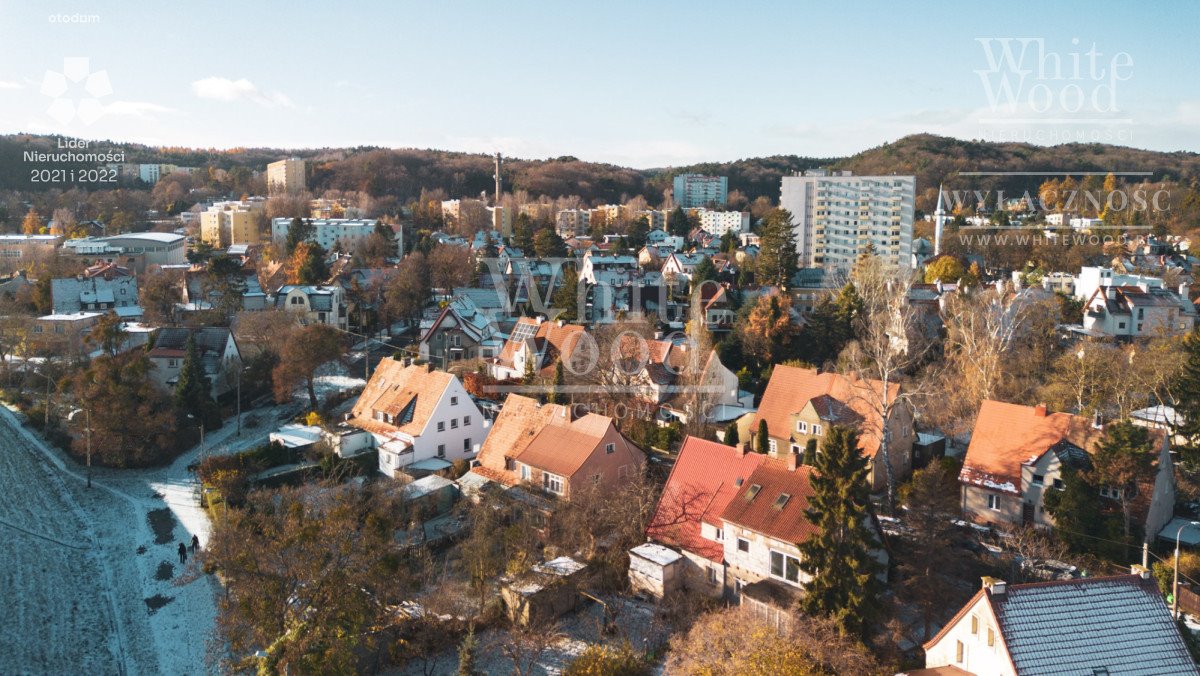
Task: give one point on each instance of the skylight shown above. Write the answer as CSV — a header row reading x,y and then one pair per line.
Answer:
x,y
754,489
781,501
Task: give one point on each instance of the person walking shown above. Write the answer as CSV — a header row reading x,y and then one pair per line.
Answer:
x,y
182,553
195,544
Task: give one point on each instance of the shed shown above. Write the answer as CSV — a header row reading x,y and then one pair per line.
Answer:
x,y
545,592
655,569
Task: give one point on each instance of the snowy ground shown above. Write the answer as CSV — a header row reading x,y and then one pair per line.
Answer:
x,y
90,579
634,622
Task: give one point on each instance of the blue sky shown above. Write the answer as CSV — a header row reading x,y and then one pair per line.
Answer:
x,y
636,83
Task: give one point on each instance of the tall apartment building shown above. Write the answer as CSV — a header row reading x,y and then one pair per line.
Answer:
x,y
835,216
330,233
696,190
571,222
227,223
286,176
720,222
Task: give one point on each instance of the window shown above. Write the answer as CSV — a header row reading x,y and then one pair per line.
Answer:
x,y
1113,493
772,445
785,567
456,340
991,637
441,450
454,401
975,624
994,502
752,491
609,449
958,652
801,427
743,545
524,472
817,430
442,426
1058,484
552,483
454,423
466,421
720,534
1038,479
781,501
467,444
712,575
172,363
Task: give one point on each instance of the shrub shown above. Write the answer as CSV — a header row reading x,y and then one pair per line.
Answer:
x,y
602,660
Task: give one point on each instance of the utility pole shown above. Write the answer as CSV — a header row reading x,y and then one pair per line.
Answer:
x,y
497,199
239,402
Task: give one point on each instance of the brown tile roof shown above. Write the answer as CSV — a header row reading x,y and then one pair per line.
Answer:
x,y
562,341
791,388
547,437
407,393
1007,436
761,511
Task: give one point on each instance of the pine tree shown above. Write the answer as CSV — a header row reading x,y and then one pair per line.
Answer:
x,y
839,556
762,440
560,379
193,389
777,258
677,223
731,434
1187,391
566,297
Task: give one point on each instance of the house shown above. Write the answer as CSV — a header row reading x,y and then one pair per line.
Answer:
x,y
714,302
1135,311
652,256
1017,453
99,293
535,344
421,419
315,304
679,380
216,346
737,519
1101,625
679,267
461,331
555,448
63,333
800,405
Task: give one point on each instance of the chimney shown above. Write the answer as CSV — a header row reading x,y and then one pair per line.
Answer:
x,y
1039,411
995,587
1097,421
429,367
560,323
540,319
793,461
1110,292
1140,570
1184,290
741,449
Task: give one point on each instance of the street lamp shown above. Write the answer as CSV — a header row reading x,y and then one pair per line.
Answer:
x,y
192,417
88,418
1175,584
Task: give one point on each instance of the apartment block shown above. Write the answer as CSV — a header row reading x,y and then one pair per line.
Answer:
x,y
696,190
286,176
836,216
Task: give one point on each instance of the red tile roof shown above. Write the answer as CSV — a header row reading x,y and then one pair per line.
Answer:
x,y
703,481
791,388
761,511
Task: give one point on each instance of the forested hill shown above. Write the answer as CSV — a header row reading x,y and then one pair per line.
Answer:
x,y
403,173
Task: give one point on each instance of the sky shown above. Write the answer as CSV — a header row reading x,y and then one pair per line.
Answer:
x,y
642,84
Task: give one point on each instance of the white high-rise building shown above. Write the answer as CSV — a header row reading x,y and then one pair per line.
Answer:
x,y
837,215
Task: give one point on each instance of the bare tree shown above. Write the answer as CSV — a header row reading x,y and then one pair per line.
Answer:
x,y
891,341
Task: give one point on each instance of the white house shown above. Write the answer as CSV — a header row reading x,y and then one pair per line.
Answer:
x,y
421,419
720,222
1100,625
1144,310
315,304
216,347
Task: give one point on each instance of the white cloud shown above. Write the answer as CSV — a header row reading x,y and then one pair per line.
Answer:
x,y
224,89
6,84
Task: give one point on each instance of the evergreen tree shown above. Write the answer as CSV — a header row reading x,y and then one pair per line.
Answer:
x,y
466,654
810,452
839,555
1076,510
560,379
311,268
301,230
704,271
565,297
638,231
777,259
193,389
762,440
677,223
1187,391
731,434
